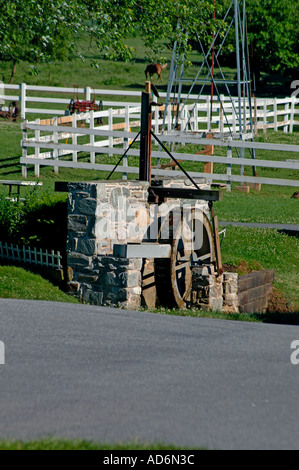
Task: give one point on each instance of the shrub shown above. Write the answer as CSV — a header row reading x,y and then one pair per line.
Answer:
x,y
38,221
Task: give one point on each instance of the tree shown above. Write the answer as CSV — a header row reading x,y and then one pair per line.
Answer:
x,y
159,23
273,35
38,30
45,30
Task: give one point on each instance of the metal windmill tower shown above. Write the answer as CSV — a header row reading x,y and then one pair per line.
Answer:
x,y
235,17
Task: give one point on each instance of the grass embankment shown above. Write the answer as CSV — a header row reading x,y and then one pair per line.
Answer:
x,y
20,283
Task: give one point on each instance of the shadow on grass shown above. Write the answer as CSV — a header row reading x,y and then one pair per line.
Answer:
x,y
291,318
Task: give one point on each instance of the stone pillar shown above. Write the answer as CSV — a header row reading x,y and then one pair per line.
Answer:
x,y
207,289
101,214
230,293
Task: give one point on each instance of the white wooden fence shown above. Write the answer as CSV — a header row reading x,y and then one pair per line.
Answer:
x,y
29,255
266,113
60,147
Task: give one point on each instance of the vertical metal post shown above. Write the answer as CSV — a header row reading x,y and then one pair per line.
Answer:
x,y
145,136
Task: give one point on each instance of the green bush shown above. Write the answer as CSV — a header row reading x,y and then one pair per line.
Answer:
x,y
11,219
40,220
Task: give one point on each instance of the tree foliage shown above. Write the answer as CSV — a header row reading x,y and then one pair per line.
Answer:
x,y
158,23
46,30
38,30
273,34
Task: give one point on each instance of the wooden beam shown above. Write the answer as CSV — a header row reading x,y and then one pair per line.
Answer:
x,y
145,138
185,193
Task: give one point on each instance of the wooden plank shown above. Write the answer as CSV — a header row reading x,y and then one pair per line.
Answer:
x,y
217,244
294,165
185,193
256,306
149,291
258,292
243,189
155,171
257,278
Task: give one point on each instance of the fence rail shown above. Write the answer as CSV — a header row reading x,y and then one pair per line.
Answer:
x,y
266,113
29,255
52,142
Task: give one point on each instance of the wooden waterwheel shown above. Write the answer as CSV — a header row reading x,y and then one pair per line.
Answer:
x,y
192,244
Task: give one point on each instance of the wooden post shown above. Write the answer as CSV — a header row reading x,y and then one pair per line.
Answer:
x,y
209,150
217,240
37,150
56,151
255,116
145,136
286,117
126,140
74,137
229,168
265,117
23,100
291,128
92,140
275,114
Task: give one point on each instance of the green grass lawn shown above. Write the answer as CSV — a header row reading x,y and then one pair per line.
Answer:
x,y
64,444
20,283
272,250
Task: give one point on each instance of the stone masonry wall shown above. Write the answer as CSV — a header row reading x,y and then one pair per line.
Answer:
x,y
99,215
207,289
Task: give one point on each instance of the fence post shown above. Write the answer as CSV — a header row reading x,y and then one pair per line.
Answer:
x,y
74,136
55,140
286,117
265,117
156,119
209,123
37,137
110,126
229,168
126,140
24,149
23,100
275,113
234,116
221,104
291,129
91,126
195,117
169,110
255,116
88,93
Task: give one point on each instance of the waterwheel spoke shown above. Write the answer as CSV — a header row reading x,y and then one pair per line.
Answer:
x,y
182,265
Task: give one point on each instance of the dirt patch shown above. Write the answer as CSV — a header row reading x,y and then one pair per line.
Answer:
x,y
243,267
278,303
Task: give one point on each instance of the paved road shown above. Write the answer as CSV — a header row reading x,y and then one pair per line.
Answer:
x,y
113,375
